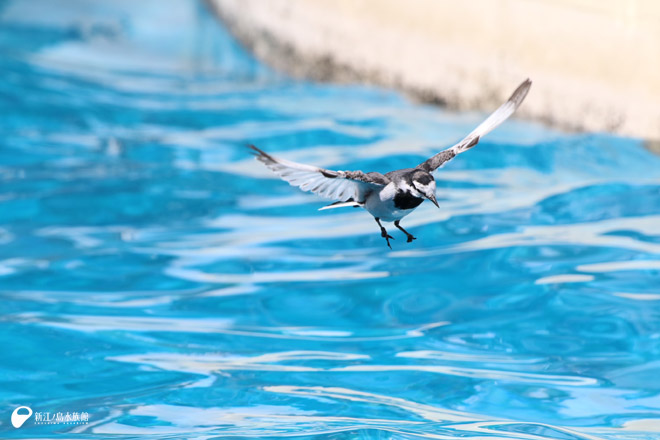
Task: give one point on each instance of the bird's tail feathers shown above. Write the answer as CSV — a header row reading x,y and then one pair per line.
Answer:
x,y
345,204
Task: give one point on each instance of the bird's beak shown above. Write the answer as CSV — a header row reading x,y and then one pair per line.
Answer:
x,y
432,199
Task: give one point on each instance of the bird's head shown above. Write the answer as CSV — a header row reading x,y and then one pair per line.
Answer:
x,y
424,183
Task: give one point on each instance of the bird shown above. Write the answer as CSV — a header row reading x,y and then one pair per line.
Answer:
x,y
392,196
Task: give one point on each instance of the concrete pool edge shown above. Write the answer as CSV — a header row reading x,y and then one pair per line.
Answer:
x,y
599,85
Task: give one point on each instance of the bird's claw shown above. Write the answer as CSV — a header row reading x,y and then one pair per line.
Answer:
x,y
386,236
411,238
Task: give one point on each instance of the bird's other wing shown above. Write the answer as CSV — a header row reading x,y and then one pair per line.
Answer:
x,y
500,115
336,185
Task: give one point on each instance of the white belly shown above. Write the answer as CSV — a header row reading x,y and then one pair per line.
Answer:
x,y
381,205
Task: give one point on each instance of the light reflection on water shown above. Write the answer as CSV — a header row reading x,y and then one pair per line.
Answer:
x,y
154,275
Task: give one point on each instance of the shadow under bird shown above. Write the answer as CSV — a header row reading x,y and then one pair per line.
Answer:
x,y
394,195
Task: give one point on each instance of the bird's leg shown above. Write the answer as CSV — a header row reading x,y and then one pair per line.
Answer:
x,y
409,235
383,233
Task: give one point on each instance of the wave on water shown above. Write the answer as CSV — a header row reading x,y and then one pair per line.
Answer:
x,y
155,276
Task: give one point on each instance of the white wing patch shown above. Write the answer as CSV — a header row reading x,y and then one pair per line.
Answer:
x,y
500,115
494,120
335,188
336,185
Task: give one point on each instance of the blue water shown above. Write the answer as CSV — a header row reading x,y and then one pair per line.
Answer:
x,y
156,277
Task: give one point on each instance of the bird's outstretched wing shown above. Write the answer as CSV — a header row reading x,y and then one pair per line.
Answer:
x,y
336,185
500,115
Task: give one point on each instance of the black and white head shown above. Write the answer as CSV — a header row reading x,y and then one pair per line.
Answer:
x,y
424,183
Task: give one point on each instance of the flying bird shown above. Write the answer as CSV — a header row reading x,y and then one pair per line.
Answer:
x,y
392,196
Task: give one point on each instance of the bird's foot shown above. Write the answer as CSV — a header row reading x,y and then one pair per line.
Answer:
x,y
409,236
386,236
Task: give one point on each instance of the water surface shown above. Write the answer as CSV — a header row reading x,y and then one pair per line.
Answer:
x,y
155,276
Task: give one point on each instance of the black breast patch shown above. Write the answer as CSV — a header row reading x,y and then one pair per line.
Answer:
x,y
405,200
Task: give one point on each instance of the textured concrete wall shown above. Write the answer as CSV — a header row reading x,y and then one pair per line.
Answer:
x,y
595,63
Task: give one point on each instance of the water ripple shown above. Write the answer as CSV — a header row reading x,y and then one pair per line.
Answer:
x,y
155,276
88,323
